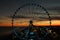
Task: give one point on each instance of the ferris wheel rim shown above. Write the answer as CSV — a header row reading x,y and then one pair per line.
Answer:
x,y
26,5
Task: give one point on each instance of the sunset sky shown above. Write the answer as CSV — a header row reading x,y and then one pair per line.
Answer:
x,y
8,7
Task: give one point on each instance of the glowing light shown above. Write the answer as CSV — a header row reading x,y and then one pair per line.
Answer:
x,y
39,23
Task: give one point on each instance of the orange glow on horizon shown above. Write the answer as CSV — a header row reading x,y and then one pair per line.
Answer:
x,y
40,23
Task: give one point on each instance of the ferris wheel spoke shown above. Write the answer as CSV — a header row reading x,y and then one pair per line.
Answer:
x,y
30,12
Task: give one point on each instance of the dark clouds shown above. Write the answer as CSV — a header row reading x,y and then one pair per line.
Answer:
x,y
54,8
38,18
8,7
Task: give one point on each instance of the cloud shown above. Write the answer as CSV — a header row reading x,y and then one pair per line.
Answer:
x,y
53,8
37,18
55,18
19,17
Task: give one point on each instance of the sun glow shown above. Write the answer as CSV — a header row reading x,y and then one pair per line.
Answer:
x,y
39,23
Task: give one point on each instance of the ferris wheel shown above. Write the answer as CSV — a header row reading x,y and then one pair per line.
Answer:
x,y
30,13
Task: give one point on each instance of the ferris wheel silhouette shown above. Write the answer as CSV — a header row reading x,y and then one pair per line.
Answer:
x,y
31,11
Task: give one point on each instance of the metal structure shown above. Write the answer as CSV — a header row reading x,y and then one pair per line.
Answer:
x,y
28,33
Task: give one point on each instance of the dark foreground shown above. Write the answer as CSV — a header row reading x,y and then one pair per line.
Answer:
x,y
6,33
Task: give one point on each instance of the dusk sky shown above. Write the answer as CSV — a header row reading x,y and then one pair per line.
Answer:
x,y
8,7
